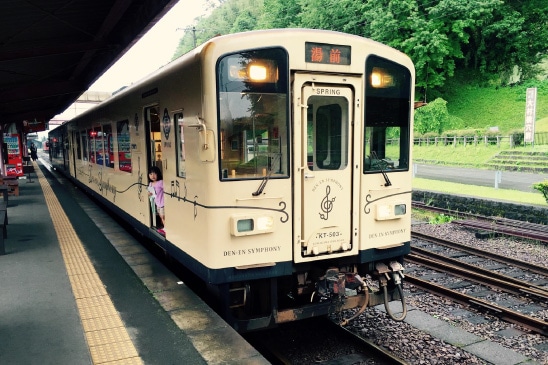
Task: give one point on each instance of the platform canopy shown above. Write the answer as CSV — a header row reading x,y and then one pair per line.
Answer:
x,y
52,51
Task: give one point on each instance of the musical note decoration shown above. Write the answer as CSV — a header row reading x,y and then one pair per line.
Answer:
x,y
327,204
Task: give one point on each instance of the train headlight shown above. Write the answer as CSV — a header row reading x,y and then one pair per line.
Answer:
x,y
245,225
257,72
254,70
264,223
383,212
380,78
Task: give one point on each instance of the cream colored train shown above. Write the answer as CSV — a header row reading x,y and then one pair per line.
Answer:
x,y
286,162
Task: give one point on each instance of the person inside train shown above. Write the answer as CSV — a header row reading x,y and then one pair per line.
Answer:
x,y
156,190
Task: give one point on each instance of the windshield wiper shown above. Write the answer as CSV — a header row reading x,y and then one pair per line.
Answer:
x,y
265,179
379,163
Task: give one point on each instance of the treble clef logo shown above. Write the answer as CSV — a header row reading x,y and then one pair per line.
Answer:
x,y
327,204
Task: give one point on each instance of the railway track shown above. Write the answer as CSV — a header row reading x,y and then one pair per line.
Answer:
x,y
318,340
492,225
473,280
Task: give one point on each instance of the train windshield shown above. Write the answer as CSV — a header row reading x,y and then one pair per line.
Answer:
x,y
387,116
253,114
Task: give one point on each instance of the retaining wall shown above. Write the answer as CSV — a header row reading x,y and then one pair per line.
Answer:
x,y
468,204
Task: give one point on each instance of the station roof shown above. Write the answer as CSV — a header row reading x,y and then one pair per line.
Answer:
x,y
52,51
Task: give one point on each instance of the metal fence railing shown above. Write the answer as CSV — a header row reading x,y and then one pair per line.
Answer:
x,y
511,140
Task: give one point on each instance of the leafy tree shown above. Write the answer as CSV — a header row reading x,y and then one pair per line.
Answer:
x,y
433,117
280,14
441,36
321,14
245,21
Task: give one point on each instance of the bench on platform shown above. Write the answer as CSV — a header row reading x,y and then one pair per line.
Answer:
x,y
13,187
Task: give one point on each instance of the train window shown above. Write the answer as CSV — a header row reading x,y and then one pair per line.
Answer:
x,y
108,145
387,116
84,137
96,146
85,144
253,114
327,133
124,143
180,143
76,137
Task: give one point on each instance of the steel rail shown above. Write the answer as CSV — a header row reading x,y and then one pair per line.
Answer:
x,y
387,357
492,226
476,251
515,286
486,277
533,324
520,224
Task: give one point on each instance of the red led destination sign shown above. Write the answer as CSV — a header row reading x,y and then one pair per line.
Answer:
x,y
332,54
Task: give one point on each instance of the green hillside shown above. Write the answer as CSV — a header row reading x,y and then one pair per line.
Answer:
x,y
481,105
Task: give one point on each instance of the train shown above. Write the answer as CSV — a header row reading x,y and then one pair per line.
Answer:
x,y
286,163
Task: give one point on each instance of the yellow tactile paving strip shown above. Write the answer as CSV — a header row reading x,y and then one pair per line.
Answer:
x,y
106,335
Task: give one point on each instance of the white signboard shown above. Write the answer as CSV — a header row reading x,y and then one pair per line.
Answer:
x,y
530,115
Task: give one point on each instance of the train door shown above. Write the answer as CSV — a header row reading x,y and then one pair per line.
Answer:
x,y
154,151
324,180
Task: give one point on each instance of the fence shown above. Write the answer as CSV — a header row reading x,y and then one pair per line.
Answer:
x,y
510,140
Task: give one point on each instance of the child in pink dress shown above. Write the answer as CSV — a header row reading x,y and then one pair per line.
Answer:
x,y
156,189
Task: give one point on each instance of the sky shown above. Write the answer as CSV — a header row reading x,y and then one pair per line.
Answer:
x,y
154,50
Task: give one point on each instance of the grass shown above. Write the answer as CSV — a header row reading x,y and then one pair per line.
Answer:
x,y
469,156
480,191
481,104
481,107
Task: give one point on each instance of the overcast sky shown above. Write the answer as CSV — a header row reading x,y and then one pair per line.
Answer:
x,y
153,50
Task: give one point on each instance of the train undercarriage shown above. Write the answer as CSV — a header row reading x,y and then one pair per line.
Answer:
x,y
265,303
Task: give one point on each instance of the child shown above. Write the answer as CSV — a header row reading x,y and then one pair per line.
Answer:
x,y
156,189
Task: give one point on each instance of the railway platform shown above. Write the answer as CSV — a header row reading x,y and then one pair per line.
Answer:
x,y
76,288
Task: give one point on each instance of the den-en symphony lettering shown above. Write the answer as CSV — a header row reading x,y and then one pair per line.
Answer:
x,y
251,251
387,233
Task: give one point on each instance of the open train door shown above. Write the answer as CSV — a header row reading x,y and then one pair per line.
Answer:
x,y
326,198
154,152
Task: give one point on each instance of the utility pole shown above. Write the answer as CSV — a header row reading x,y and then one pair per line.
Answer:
x,y
193,29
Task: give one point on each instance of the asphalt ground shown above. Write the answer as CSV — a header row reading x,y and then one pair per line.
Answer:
x,y
41,318
510,180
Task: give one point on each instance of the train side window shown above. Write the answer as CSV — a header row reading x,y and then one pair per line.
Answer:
x,y
96,146
387,116
108,146
124,143
85,142
180,143
77,142
253,114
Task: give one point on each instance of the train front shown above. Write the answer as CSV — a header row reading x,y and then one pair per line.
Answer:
x,y
315,139
352,178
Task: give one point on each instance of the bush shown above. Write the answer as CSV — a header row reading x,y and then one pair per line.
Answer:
x,y
517,136
543,188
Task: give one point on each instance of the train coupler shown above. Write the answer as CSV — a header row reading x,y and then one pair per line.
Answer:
x,y
395,273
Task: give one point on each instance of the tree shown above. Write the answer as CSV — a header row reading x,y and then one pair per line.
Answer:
x,y
433,117
321,14
280,14
440,36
